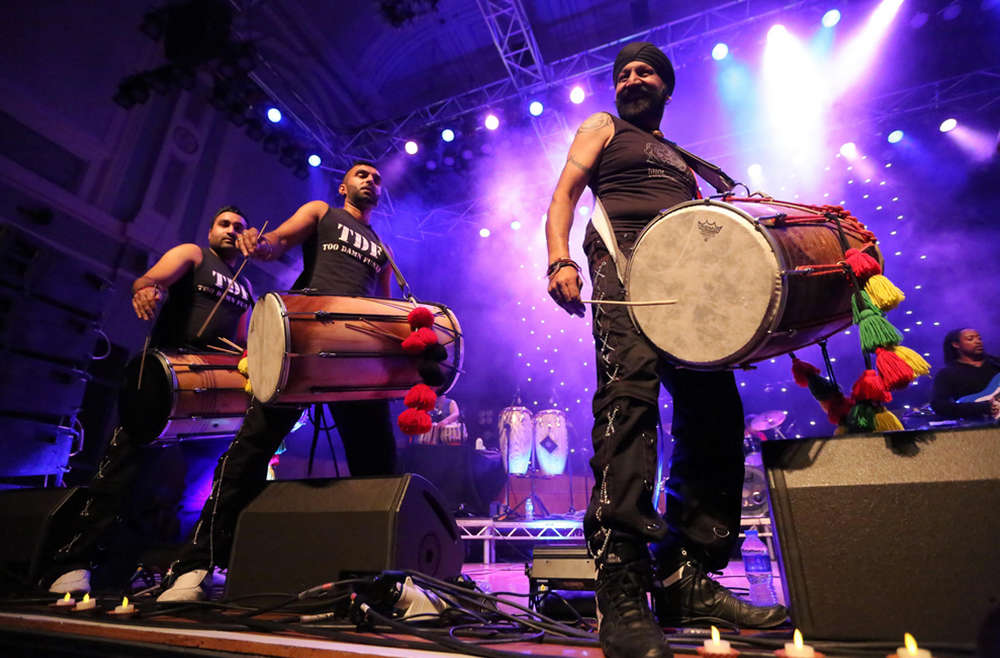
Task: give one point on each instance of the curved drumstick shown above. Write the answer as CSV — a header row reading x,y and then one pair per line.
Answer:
x,y
236,276
654,302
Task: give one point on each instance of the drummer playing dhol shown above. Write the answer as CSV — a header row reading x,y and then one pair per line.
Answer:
x,y
341,256
633,174
186,281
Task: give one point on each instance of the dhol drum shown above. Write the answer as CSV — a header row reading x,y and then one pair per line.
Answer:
x,y
551,441
305,348
516,439
183,395
752,278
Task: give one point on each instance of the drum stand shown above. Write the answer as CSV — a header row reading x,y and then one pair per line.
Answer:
x,y
536,502
319,418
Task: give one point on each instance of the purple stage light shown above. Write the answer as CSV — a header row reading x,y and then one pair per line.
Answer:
x,y
273,115
895,136
720,51
484,233
515,225
849,150
491,122
536,108
411,147
948,125
577,94
831,18
314,160
447,135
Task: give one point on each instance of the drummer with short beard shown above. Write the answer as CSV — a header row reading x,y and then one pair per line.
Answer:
x,y
635,174
178,294
342,255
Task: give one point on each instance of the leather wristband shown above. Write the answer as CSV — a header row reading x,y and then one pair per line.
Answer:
x,y
560,263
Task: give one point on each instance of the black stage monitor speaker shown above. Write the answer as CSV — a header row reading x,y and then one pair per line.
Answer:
x,y
885,534
302,533
31,519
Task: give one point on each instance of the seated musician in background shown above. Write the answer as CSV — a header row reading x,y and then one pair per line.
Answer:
x,y
444,414
342,255
635,173
187,282
968,371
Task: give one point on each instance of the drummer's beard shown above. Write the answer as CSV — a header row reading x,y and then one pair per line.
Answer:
x,y
640,105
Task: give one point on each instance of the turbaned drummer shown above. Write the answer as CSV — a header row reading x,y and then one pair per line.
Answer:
x,y
342,255
635,174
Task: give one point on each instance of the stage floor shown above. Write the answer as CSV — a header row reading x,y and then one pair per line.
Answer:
x,y
39,630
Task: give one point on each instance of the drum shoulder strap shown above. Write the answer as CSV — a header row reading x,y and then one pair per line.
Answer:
x,y
602,224
708,171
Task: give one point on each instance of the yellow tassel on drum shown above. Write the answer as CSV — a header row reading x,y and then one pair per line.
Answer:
x,y
242,367
247,388
883,292
915,361
886,421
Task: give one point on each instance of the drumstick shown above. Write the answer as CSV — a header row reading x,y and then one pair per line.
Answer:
x,y
231,344
655,302
222,349
236,276
142,360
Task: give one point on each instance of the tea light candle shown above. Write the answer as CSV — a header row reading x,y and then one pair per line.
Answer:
x,y
797,649
716,647
65,601
125,609
911,650
86,604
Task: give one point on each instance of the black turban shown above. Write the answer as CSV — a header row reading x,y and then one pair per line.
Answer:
x,y
650,54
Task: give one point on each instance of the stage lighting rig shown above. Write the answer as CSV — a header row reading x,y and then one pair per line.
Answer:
x,y
401,12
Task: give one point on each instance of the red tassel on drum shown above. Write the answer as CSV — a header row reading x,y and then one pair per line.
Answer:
x,y
420,317
870,388
895,372
419,340
802,371
421,396
861,264
414,421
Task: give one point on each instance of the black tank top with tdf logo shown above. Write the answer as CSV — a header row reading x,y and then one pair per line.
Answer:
x,y
342,257
190,300
637,176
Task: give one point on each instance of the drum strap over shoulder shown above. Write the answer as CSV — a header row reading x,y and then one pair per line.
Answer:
x,y
602,224
708,171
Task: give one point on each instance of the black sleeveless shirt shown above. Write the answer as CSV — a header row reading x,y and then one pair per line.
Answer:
x,y
343,256
637,176
191,298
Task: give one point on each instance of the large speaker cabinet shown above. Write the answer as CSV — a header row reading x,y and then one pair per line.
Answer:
x,y
885,534
301,533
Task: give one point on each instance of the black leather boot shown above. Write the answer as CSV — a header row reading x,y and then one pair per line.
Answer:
x,y
626,624
685,595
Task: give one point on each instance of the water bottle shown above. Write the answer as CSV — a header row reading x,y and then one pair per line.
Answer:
x,y
529,509
757,564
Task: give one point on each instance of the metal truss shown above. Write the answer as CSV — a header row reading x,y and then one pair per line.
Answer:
x,y
512,36
670,36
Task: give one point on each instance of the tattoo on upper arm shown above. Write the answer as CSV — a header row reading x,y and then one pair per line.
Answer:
x,y
579,164
594,123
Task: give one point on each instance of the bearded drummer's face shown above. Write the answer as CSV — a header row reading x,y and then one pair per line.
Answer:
x,y
639,91
225,229
362,186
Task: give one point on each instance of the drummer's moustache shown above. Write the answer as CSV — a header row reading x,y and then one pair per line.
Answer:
x,y
638,101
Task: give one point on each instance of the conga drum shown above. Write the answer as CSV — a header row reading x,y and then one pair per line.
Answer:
x,y
306,348
517,437
752,278
551,441
183,395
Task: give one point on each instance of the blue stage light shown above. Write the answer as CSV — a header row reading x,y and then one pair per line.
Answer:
x,y
536,108
895,136
491,122
720,51
577,94
273,114
314,160
947,125
411,147
831,18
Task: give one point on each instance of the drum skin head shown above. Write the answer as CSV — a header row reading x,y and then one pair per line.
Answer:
x,y
267,345
723,273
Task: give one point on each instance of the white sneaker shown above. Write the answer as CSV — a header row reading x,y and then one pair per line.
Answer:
x,y
77,580
187,587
